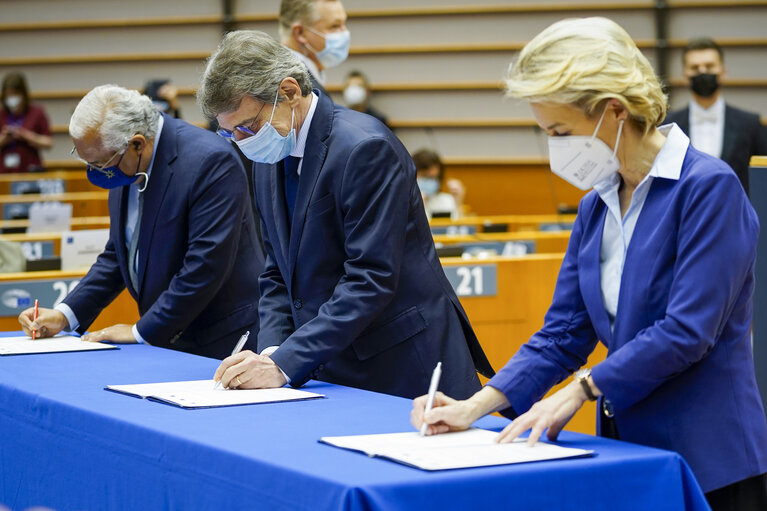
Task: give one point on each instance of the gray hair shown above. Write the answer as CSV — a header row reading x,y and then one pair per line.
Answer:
x,y
115,114
247,63
291,11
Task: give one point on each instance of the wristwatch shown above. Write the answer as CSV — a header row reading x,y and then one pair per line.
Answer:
x,y
582,377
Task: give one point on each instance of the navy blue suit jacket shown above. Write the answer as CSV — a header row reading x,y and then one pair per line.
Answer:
x,y
744,137
679,371
353,292
198,259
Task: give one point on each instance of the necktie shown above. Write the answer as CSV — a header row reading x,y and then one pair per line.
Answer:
x,y
291,183
133,248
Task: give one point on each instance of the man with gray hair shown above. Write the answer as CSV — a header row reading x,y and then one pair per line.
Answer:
x,y
181,234
353,292
315,31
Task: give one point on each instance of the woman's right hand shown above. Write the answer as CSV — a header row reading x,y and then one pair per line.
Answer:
x,y
448,414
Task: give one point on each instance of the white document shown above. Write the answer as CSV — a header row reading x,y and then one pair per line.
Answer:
x,y
49,217
24,345
79,249
201,394
463,449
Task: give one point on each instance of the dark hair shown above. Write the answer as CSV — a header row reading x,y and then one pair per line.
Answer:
x,y
17,83
425,159
356,73
701,43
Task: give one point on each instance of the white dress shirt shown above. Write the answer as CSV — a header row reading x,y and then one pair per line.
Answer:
x,y
707,127
618,230
131,220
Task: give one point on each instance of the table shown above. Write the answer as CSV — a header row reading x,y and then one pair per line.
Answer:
x,y
67,443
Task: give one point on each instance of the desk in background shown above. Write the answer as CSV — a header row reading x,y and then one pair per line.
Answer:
x,y
505,299
69,444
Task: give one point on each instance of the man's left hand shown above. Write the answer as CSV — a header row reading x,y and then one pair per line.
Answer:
x,y
247,370
121,334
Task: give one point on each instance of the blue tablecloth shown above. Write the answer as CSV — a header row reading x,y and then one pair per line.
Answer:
x,y
67,443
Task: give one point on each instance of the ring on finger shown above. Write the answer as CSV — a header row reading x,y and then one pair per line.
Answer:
x,y
239,383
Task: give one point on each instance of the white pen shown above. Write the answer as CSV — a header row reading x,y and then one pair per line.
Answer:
x,y
237,348
432,391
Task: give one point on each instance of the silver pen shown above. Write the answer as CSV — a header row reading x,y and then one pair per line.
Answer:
x,y
237,348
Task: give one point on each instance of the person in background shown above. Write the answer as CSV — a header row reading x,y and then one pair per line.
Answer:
x,y
431,179
181,234
715,127
164,96
353,292
637,275
315,31
24,128
357,95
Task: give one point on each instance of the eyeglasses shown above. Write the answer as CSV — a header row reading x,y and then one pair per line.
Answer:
x,y
242,129
247,130
92,166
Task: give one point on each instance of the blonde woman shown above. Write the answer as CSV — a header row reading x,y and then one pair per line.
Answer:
x,y
660,268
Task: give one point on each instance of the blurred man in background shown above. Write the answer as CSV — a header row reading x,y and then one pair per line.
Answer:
x,y
315,31
714,127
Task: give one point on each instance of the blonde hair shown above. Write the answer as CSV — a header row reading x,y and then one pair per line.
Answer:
x,y
584,62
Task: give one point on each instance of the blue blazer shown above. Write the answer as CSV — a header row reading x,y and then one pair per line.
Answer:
x,y
679,371
353,292
198,259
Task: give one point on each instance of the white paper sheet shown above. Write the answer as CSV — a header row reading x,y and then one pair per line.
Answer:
x,y
24,345
463,449
200,394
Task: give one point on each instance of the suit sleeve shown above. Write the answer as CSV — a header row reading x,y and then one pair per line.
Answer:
x,y
716,250
276,319
216,210
561,346
374,198
97,289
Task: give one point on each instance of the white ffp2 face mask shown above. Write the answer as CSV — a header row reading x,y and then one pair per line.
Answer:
x,y
584,161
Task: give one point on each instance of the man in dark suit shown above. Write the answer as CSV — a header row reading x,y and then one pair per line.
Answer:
x,y
353,292
714,127
181,232
315,32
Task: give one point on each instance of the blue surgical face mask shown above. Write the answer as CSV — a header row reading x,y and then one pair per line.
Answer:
x,y
113,177
428,185
268,146
336,48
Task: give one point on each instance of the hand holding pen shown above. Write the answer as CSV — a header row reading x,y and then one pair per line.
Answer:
x,y
237,348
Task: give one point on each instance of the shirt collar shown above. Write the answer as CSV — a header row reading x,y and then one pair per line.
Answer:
x,y
310,64
668,162
715,111
298,150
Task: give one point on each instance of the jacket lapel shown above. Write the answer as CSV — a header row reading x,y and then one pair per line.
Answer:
x,y
590,275
314,156
162,173
119,210
276,173
730,130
